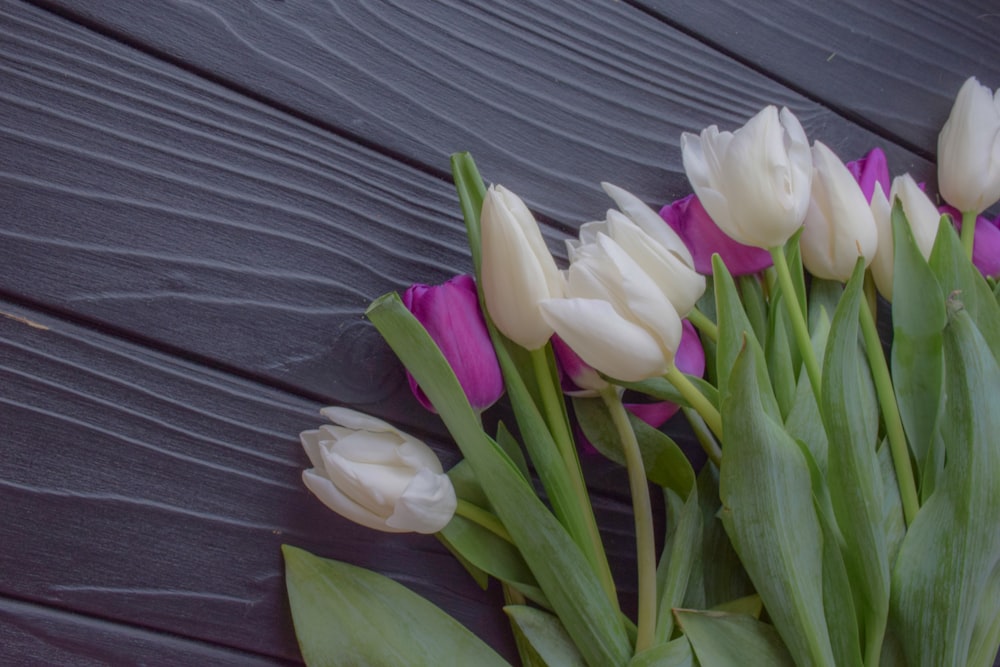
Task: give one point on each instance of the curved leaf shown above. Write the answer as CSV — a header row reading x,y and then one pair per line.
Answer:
x,y
347,615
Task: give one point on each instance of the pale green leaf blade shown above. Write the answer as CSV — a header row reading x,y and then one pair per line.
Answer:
x,y
677,560
918,317
769,515
952,549
733,640
546,635
346,615
676,653
471,192
851,419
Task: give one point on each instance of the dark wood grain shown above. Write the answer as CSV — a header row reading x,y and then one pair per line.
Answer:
x,y
186,215
199,201
551,97
893,66
40,635
151,492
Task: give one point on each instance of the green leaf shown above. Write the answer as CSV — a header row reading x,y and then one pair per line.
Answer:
x,y
677,560
734,330
769,515
804,421
838,602
754,305
850,416
563,572
676,653
666,464
986,634
893,520
918,316
546,635
509,444
664,390
780,364
717,575
471,192
750,605
346,615
943,572
492,555
733,640
957,275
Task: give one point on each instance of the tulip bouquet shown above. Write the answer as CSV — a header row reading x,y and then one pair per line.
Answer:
x,y
849,509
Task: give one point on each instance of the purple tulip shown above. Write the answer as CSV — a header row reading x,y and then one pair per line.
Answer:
x,y
703,237
451,315
871,170
986,244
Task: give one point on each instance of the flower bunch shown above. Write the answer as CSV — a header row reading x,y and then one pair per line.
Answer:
x,y
849,510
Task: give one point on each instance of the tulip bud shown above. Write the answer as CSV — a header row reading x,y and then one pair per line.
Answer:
x,y
839,226
615,316
754,182
703,238
922,216
661,254
518,271
373,474
986,245
969,150
450,314
871,171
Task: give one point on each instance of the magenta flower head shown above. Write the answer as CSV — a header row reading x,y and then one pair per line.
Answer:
x,y
986,245
870,171
703,237
451,315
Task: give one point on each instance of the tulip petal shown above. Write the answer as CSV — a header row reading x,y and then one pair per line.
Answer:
x,y
649,222
356,421
427,504
871,171
334,499
605,340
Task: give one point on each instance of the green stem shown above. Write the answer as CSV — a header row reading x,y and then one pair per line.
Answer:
x,y
799,326
481,517
703,324
642,508
704,435
893,423
699,403
968,231
554,411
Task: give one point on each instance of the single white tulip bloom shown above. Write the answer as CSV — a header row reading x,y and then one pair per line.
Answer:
x,y
839,225
615,316
370,472
922,215
969,149
518,271
754,182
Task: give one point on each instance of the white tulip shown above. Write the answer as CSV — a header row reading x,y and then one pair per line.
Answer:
x,y
518,271
374,474
922,215
615,316
754,182
839,226
969,150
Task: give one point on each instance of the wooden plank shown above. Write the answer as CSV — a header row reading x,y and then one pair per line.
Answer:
x,y
179,213
894,66
551,96
39,635
152,492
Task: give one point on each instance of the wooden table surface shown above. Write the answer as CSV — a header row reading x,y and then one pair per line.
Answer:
x,y
199,199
